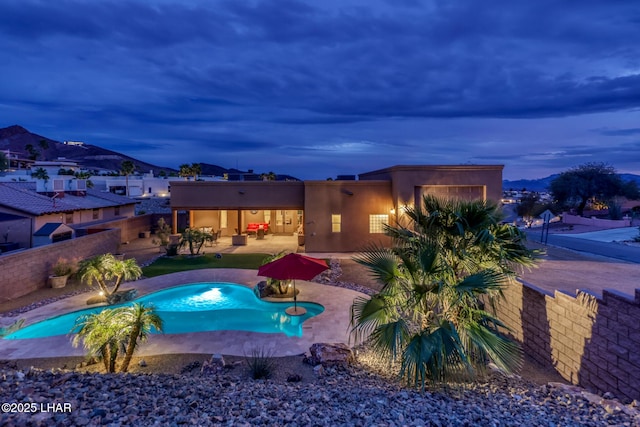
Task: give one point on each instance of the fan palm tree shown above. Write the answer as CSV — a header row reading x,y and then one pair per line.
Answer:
x,y
139,319
452,259
127,167
108,273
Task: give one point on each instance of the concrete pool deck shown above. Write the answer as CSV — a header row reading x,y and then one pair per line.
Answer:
x,y
332,325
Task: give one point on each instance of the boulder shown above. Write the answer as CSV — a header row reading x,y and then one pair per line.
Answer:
x,y
214,365
122,296
330,354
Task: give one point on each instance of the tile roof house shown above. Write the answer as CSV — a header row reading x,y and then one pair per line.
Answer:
x,y
73,208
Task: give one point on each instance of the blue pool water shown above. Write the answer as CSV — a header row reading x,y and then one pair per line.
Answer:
x,y
197,308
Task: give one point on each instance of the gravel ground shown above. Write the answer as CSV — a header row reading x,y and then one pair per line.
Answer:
x,y
358,395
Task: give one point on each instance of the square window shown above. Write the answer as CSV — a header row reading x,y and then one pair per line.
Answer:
x,y
96,214
376,223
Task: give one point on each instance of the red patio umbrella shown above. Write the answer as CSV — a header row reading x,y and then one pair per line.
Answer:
x,y
291,267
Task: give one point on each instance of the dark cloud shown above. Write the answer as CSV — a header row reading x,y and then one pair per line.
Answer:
x,y
289,79
619,132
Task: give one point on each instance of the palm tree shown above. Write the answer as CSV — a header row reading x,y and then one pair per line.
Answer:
x,y
139,319
195,239
86,176
102,336
108,273
452,259
196,169
127,167
185,171
105,334
190,170
41,173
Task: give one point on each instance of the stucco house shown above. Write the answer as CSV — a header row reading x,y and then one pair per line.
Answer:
x,y
334,216
58,201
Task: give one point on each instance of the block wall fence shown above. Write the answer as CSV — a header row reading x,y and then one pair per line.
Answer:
x,y
590,341
28,270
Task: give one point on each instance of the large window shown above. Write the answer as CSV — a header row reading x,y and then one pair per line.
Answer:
x,y
376,223
336,223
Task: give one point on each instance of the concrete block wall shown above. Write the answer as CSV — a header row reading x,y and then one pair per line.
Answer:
x,y
592,342
595,222
28,270
129,227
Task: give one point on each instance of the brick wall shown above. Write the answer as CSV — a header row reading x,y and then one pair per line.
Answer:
x,y
28,270
592,342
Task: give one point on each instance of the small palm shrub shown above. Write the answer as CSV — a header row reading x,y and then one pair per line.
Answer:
x,y
113,332
106,273
443,272
260,363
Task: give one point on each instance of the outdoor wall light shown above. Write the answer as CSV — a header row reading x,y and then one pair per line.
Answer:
x,y
347,192
241,192
392,211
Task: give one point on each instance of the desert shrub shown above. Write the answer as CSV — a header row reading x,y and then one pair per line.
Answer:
x,y
260,363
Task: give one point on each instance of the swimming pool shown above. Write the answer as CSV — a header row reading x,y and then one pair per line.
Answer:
x,y
197,307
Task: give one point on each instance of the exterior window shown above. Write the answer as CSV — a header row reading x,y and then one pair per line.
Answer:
x,y
96,214
223,219
116,211
376,223
68,218
336,223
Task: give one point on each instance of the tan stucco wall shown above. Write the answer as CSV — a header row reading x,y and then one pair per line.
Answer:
x,y
237,195
354,201
405,179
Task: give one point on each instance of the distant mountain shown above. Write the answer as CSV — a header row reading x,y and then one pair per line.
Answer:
x,y
542,184
16,139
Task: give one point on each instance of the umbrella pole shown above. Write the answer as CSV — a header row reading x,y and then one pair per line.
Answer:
x,y
295,297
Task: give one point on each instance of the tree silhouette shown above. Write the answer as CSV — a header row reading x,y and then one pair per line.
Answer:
x,y
590,181
127,168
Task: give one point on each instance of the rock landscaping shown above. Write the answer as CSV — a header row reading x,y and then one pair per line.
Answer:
x,y
358,391
359,394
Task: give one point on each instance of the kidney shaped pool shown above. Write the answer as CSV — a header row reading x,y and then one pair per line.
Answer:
x,y
197,308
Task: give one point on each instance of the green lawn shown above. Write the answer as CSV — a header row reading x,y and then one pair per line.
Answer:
x,y
166,265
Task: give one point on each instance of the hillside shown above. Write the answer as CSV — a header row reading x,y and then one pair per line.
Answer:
x,y
542,184
16,139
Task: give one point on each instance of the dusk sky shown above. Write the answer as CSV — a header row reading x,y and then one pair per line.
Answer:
x,y
319,88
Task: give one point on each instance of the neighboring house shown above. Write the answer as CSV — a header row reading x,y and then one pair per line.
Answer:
x,y
61,201
52,232
335,216
15,232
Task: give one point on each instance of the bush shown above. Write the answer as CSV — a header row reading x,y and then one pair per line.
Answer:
x,y
260,363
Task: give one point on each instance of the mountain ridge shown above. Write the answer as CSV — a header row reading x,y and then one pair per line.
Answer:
x,y
15,139
542,184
